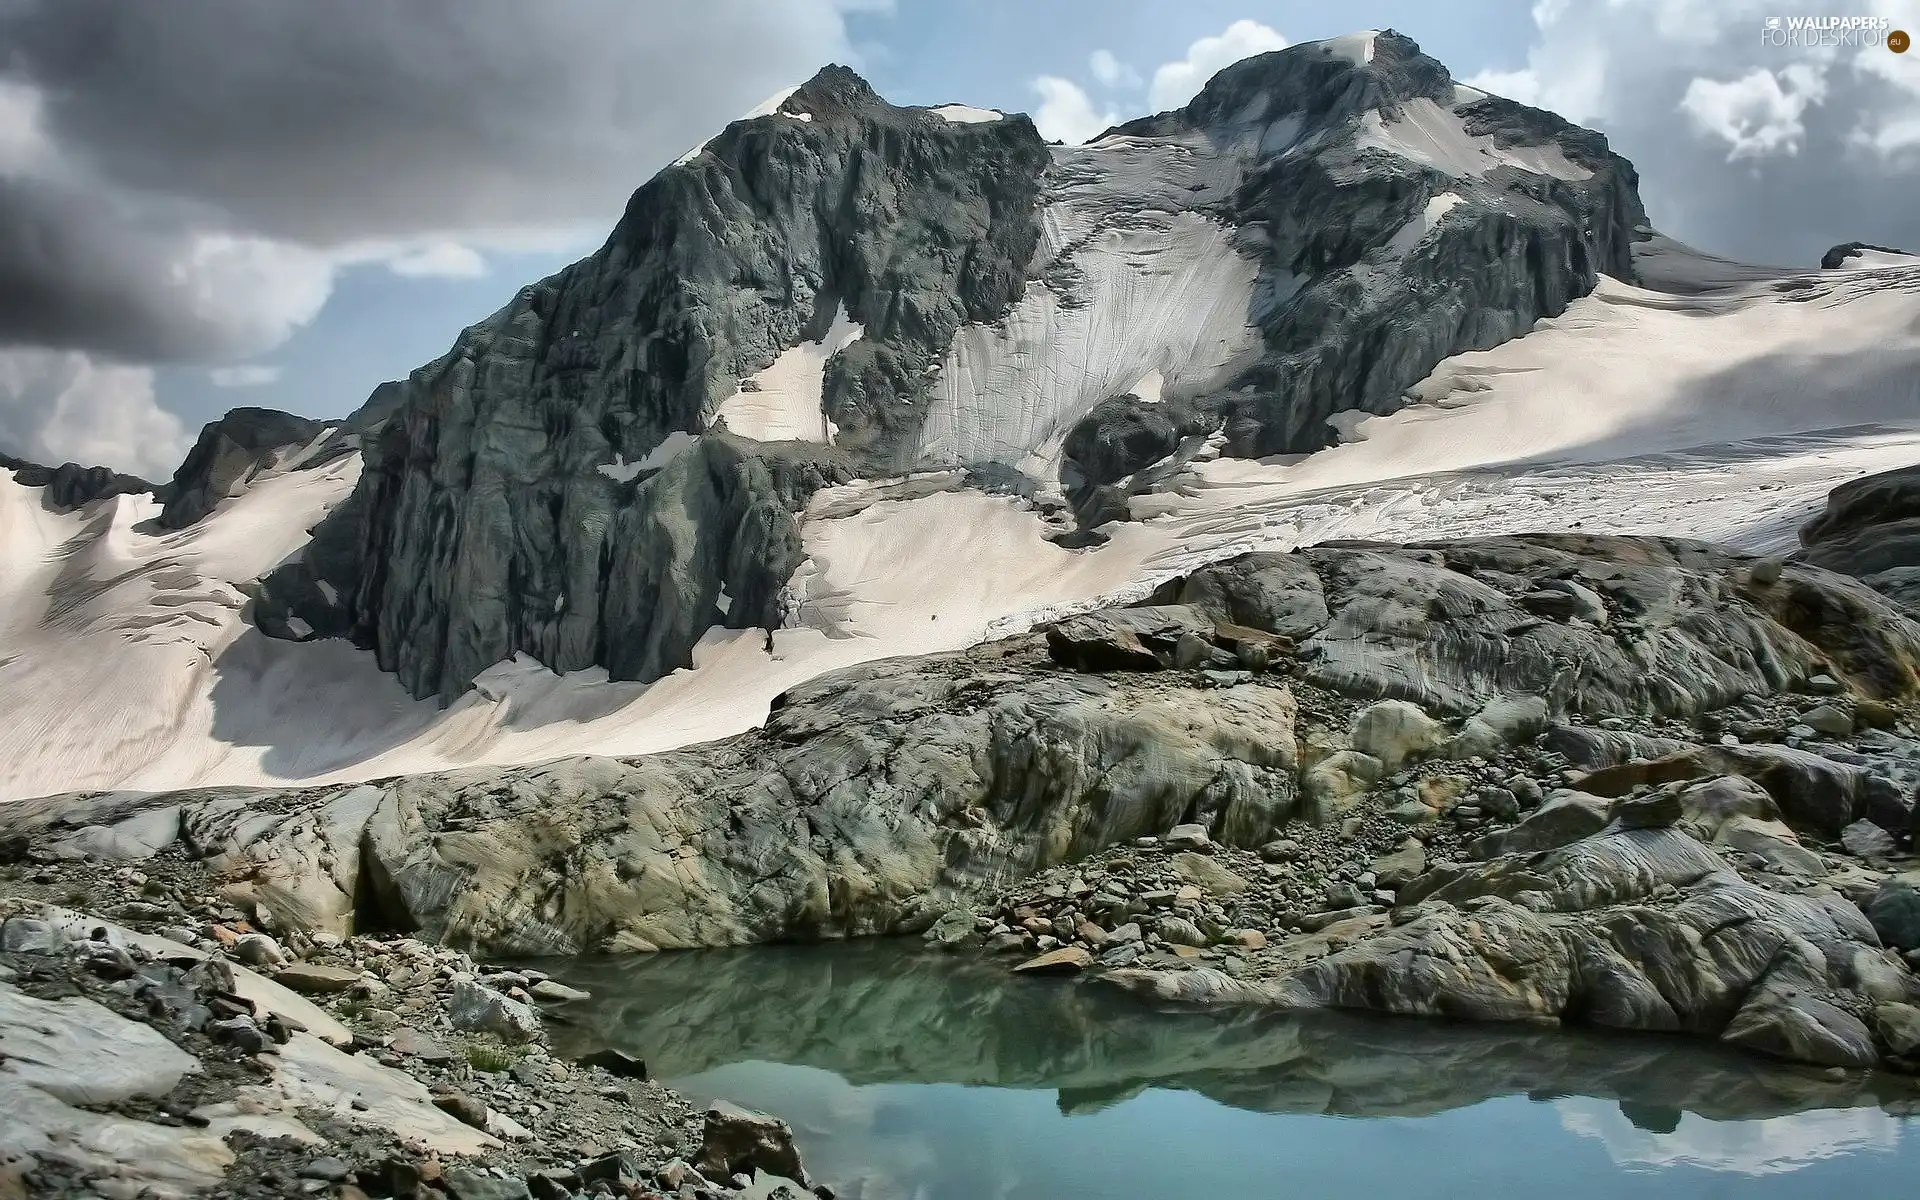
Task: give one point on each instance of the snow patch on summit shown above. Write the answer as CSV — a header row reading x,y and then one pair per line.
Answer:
x,y
966,114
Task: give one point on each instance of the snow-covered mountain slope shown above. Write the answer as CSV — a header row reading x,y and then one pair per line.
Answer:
x,y
1726,413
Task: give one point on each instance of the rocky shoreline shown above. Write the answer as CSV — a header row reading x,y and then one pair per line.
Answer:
x,y
1622,875
155,1041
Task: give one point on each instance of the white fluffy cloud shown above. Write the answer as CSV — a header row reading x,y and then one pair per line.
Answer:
x,y
1109,71
1175,83
63,406
1765,152
439,260
1759,113
1066,112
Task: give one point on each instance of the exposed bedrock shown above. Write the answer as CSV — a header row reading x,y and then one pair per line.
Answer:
x,y
1397,219
1359,217
1871,529
877,796
494,511
231,451
71,485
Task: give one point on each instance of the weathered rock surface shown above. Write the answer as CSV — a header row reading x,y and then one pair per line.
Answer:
x,y
1871,529
235,448
526,493
877,797
71,485
484,524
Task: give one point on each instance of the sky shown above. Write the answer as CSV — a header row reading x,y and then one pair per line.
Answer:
x,y
207,204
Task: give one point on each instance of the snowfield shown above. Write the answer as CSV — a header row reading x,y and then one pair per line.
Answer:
x,y
1723,406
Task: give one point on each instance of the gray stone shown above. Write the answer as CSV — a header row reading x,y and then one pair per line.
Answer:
x,y
475,1008
317,978
415,1044
1898,1024
1402,866
465,1183
259,950
735,1139
30,935
1188,837
1828,719
329,1168
1178,931
1895,911
1867,840
549,991
1395,732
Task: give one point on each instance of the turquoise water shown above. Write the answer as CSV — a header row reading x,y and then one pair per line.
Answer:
x,y
915,1075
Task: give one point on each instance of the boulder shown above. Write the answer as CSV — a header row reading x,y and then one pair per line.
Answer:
x,y
1332,785
316,978
735,1141
1395,732
1402,866
476,1008
1508,721
1895,911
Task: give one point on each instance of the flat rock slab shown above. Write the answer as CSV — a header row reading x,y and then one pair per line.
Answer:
x,y
82,1053
1065,961
316,979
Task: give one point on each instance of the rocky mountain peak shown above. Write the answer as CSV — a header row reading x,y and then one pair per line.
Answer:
x,y
836,287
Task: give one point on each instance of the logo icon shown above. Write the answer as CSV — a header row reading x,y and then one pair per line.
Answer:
x,y
1898,41
1773,22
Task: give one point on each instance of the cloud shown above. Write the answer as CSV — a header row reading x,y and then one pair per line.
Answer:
x,y
1764,152
246,375
1759,113
1066,113
63,406
439,260
1110,71
181,183
1175,83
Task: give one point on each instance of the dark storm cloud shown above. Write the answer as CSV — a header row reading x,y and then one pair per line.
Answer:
x,y
202,152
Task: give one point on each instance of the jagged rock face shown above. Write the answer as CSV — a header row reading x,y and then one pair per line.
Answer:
x,y
230,451
484,523
1871,529
1396,218
71,485
1837,256
1310,235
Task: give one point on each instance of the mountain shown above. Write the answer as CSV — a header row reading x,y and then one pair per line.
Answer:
x,y
877,290
898,508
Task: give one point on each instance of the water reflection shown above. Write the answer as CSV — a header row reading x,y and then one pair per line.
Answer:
x,y
901,1068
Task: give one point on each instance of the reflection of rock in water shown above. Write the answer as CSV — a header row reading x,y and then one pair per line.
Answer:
x,y
879,1012
1654,1118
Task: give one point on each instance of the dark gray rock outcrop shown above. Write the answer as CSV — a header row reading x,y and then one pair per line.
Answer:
x,y
1837,256
71,485
1871,529
484,524
232,450
1337,167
